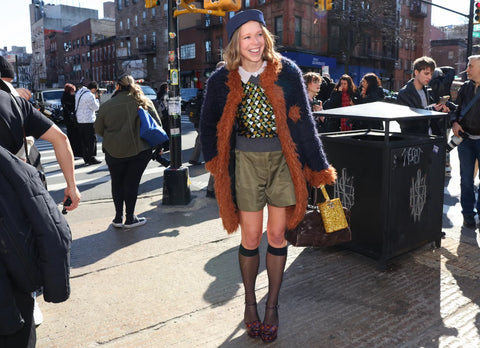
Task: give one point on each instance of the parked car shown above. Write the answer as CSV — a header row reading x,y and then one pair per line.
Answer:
x,y
50,104
149,92
186,94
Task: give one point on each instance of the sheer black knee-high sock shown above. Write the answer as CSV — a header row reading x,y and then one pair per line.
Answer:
x,y
276,259
249,261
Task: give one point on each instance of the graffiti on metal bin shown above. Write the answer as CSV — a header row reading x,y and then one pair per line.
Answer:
x,y
418,195
344,189
411,155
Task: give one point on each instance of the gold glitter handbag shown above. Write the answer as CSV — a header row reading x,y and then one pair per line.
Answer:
x,y
332,213
310,232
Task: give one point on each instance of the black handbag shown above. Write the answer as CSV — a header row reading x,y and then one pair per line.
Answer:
x,y
310,232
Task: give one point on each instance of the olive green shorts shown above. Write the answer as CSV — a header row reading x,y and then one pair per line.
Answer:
x,y
262,178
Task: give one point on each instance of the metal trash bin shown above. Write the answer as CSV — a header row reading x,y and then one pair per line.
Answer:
x,y
392,183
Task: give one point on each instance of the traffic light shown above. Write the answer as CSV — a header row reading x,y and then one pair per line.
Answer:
x,y
318,5
224,5
476,17
152,3
328,5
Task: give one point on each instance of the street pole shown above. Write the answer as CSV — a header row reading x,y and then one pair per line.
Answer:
x,y
470,31
176,188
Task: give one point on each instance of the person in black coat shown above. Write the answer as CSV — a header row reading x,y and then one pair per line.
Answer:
x,y
344,94
18,330
416,95
68,106
370,91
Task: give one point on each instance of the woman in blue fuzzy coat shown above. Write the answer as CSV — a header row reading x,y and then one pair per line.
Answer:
x,y
260,143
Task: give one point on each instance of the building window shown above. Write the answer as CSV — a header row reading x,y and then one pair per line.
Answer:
x,y
119,4
88,39
144,16
208,20
298,31
450,54
247,3
154,63
261,2
126,3
128,23
187,51
136,43
129,48
136,21
121,26
153,12
145,39
154,38
208,51
279,29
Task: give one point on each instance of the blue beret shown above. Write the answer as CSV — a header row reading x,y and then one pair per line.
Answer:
x,y
241,18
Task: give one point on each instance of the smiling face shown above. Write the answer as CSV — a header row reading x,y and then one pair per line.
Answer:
x,y
252,44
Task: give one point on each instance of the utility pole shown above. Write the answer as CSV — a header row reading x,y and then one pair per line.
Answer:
x,y
176,183
176,186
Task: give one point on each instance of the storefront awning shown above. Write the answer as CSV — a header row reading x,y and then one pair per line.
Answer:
x,y
310,60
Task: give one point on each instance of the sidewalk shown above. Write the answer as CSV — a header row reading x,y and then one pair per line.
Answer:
x,y
175,282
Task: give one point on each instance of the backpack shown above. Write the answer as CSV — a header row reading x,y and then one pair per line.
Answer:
x,y
35,238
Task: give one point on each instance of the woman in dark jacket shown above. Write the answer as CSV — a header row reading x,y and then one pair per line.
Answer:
x,y
68,106
126,154
344,94
370,91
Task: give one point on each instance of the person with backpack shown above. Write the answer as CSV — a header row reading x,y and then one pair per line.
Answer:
x,y
29,225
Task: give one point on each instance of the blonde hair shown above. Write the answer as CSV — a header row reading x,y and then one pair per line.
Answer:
x,y
232,51
128,83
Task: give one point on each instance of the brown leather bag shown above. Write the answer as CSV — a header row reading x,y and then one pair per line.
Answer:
x,y
310,232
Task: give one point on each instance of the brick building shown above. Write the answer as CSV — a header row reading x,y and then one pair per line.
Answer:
x,y
141,42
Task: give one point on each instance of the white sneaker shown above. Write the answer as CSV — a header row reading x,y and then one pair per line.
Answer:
x,y
136,221
37,313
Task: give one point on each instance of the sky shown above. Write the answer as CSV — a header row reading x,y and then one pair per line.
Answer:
x,y
15,17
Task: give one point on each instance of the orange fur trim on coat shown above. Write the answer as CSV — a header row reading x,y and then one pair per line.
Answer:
x,y
325,177
227,208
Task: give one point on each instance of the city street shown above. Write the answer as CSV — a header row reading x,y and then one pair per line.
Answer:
x,y
175,282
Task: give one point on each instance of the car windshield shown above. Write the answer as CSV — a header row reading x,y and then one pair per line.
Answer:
x,y
148,90
52,95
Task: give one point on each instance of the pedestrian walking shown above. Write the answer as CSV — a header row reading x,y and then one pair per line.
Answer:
x,y
256,125
126,154
466,126
70,118
87,103
193,110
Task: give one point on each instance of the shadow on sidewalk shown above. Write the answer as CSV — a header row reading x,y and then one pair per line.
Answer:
x,y
92,248
336,298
